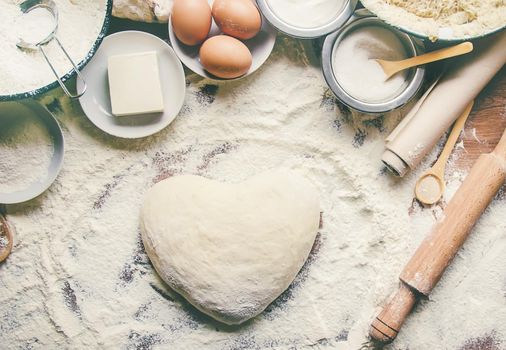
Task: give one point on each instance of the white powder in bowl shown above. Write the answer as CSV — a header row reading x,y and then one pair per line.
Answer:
x,y
79,26
306,13
456,19
357,71
26,149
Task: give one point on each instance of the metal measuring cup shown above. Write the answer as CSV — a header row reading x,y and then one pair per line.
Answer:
x,y
51,7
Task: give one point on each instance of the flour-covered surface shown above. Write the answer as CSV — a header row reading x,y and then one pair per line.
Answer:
x,y
79,277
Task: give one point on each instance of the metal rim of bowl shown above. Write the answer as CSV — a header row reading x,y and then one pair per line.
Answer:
x,y
308,33
447,41
364,17
71,73
56,162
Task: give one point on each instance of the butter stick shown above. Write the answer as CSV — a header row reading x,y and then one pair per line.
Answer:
x,y
465,78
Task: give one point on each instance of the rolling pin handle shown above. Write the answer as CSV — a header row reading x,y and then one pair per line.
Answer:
x,y
387,324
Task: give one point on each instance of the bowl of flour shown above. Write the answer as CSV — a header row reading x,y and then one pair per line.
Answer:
x,y
82,25
450,21
31,149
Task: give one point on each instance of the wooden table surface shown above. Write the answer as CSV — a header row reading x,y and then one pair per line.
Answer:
x,y
488,118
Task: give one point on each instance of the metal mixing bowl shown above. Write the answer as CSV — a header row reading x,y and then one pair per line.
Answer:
x,y
33,109
415,77
71,73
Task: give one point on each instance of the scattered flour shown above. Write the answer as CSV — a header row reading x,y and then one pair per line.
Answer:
x,y
80,22
357,71
3,242
78,276
26,149
444,19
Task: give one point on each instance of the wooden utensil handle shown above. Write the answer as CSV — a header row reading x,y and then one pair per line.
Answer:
x,y
4,227
436,252
387,324
440,164
437,55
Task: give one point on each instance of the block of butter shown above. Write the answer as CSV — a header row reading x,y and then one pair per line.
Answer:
x,y
134,84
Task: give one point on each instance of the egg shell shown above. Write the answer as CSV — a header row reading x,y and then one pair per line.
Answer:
x,y
191,20
238,18
225,57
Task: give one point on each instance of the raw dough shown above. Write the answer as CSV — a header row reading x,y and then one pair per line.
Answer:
x,y
230,249
143,10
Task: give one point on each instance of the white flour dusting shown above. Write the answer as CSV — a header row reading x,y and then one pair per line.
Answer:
x,y
79,25
26,149
442,19
79,278
3,241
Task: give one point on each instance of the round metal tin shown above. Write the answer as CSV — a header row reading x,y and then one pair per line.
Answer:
x,y
36,110
71,73
416,76
307,33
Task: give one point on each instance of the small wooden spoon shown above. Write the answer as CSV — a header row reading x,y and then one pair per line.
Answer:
x,y
393,67
6,232
431,185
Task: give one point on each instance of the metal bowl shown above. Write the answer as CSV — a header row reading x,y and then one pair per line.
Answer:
x,y
71,73
36,110
443,40
416,76
307,33
447,41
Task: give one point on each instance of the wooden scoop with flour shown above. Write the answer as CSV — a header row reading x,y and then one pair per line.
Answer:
x,y
436,252
5,231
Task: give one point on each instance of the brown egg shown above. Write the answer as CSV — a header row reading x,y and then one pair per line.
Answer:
x,y
191,20
225,57
238,18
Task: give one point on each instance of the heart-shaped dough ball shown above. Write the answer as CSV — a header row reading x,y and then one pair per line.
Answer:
x,y
230,249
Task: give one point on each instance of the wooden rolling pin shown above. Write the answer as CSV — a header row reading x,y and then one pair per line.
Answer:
x,y
436,252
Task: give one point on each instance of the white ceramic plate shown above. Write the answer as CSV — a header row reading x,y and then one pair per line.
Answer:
x,y
96,102
260,46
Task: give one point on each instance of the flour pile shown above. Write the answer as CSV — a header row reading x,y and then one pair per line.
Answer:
x,y
79,277
26,149
79,25
445,19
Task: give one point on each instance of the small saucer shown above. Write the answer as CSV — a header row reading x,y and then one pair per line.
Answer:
x,y
96,102
260,46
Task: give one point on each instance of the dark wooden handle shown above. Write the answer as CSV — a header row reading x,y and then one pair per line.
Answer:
x,y
387,324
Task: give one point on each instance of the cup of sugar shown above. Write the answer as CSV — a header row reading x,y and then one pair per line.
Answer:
x,y
352,73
